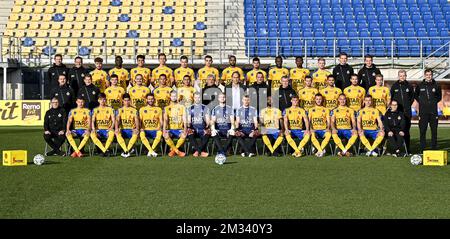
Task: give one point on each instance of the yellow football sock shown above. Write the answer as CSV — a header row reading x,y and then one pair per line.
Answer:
x,y
292,143
97,142
338,142
72,143
145,141
316,143
304,141
132,141
365,142
157,140
377,142
326,140
121,142
83,142
169,142
180,142
351,142
266,141
277,142
109,140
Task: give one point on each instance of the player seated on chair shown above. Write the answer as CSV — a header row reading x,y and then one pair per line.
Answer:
x,y
103,124
343,125
81,119
175,125
127,126
370,125
222,125
395,124
55,122
151,118
319,117
247,127
198,119
271,130
294,120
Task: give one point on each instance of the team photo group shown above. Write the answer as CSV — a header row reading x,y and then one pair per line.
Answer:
x,y
297,112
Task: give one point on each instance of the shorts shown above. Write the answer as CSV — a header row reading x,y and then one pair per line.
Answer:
x,y
298,133
78,132
344,133
320,133
126,133
102,133
371,133
222,133
273,133
175,132
246,131
199,132
150,133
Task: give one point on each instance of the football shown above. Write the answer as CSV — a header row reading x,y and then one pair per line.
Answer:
x,y
220,159
39,159
416,159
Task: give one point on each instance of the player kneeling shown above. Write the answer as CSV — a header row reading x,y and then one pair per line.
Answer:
x,y
103,125
151,124
81,119
319,117
175,125
198,119
343,123
127,125
271,119
294,119
370,125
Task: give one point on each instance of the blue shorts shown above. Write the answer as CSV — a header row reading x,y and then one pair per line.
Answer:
x,y
298,133
371,133
150,133
320,133
175,132
223,133
273,133
344,133
126,133
199,132
102,133
78,132
247,131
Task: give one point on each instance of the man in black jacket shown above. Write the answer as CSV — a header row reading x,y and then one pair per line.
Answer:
x,y
55,121
394,126
403,93
283,94
55,71
89,92
210,92
428,93
258,92
367,73
76,75
64,94
342,72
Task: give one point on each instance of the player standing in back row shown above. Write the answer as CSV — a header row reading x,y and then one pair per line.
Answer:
x,y
276,73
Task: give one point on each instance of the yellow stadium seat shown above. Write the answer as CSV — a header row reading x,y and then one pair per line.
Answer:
x,y
13,17
99,34
200,34
63,42
73,43
167,26
19,33
179,18
16,9
89,26
157,10
100,25
25,18
102,18
200,10
198,51
72,3
88,33
135,18
47,17
92,10
133,26
38,9
97,51
188,34
178,26
153,51
166,43
189,18
114,10
53,34
22,25
31,33
29,3
156,18
85,42
200,18
97,42
56,26
60,9
52,2
187,51
125,10
122,27
154,42
166,51
141,51
144,34
69,17
120,42
199,42
136,10
142,43
189,25
82,10
67,26
159,3
27,9
148,4
91,18
110,43
145,26
42,33
200,3
105,3
76,34
103,10
179,3
177,34
129,51
121,34
72,51
45,25
190,3
155,34
127,3
8,32
49,10
19,2
111,26
11,25
71,10
176,51
65,33
110,34
40,42
130,42
146,18
166,34
86,2
80,18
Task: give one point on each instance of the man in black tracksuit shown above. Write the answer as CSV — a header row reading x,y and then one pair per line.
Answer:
x,y
283,94
55,121
89,92
210,93
367,73
403,92
258,92
64,94
55,71
76,75
394,126
428,93
342,72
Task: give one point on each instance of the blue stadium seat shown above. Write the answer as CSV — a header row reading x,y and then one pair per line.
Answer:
x,y
84,51
27,42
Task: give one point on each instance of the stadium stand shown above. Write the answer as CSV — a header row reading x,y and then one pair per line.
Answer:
x,y
321,27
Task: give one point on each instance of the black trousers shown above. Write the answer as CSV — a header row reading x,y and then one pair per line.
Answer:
x,y
54,140
199,145
407,132
424,121
396,142
223,142
247,144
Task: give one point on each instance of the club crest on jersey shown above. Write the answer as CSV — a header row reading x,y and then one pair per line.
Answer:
x,y
373,90
56,94
373,74
59,115
434,90
109,91
407,90
135,71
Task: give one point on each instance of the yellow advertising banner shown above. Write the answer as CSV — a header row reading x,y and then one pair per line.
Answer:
x,y
23,112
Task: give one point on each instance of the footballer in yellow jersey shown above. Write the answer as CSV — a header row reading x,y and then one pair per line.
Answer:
x,y
162,93
370,125
162,69
227,72
138,93
343,124
320,76
114,93
123,75
175,125
295,119
277,72
141,70
381,95
330,94
307,94
186,92
151,118
80,117
204,72
127,125
298,74
99,76
183,71
319,118
271,119
355,94
103,124
251,75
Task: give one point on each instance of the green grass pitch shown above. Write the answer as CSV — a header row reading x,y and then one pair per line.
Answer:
x,y
260,187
